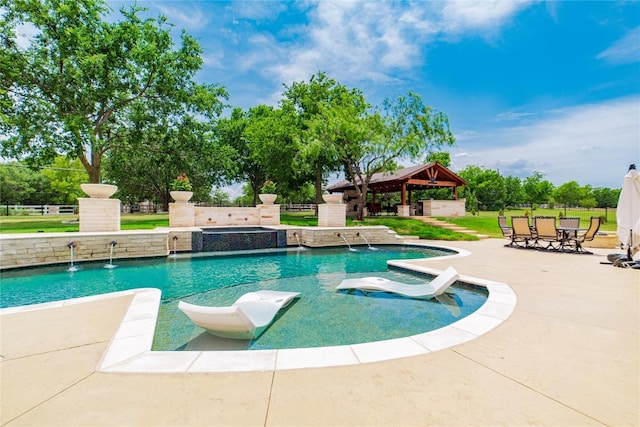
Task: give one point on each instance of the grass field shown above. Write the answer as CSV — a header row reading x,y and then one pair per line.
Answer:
x,y
484,223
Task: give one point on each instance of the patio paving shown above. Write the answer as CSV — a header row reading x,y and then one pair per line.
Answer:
x,y
569,355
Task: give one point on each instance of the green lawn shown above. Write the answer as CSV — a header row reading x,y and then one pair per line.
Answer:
x,y
487,222
484,223
63,223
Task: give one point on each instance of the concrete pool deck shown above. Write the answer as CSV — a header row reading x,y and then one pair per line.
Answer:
x,y
568,355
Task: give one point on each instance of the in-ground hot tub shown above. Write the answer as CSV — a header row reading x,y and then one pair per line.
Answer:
x,y
220,239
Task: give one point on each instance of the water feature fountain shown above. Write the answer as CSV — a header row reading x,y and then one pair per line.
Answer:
x,y
72,246
111,264
300,247
175,242
219,239
347,242
371,248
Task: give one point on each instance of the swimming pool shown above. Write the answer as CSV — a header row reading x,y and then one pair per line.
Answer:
x,y
321,317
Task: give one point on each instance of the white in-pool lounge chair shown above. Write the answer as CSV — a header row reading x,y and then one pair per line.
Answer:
x,y
425,291
245,319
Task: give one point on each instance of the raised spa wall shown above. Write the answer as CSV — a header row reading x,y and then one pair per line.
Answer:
x,y
33,249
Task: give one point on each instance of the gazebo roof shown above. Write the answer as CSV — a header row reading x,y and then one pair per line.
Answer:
x,y
432,175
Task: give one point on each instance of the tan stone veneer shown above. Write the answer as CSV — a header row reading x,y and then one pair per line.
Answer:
x,y
21,250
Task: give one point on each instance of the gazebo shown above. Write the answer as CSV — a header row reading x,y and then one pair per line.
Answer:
x,y
404,181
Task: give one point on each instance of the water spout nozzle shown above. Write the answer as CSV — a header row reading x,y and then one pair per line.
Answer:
x,y
113,243
338,235
175,238
71,245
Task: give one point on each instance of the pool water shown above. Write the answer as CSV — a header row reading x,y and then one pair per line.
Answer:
x,y
320,317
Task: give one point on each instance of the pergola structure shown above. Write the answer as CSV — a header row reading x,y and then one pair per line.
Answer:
x,y
404,181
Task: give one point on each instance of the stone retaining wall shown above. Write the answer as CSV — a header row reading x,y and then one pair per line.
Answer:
x,y
318,236
21,250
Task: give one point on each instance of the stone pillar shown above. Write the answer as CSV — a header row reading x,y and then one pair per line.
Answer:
x,y
404,210
182,214
332,215
99,214
269,214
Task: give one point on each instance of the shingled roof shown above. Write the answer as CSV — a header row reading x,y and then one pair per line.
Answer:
x,y
432,175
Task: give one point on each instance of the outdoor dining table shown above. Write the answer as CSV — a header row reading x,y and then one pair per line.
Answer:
x,y
566,231
566,235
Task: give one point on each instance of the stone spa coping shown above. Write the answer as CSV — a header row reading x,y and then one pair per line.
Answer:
x,y
130,349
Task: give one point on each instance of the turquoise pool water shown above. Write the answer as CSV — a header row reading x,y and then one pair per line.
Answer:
x,y
320,317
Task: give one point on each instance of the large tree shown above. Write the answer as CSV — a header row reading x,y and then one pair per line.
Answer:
x,y
181,145
20,185
368,142
311,100
75,86
486,187
537,189
264,141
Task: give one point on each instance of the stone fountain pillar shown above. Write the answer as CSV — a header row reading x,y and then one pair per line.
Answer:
x,y
99,212
332,213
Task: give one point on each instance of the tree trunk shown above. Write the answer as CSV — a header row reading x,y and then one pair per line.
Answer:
x,y
360,213
166,198
256,191
93,169
318,185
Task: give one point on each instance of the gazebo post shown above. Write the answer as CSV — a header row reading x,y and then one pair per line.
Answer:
x,y
404,210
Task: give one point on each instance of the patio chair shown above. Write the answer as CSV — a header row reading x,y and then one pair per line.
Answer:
x,y
245,319
506,230
577,240
570,222
429,290
522,234
547,233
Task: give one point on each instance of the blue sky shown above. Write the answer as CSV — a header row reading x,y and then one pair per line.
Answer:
x,y
528,86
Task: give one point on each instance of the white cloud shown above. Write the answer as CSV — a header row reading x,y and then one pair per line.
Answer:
x,y
512,115
356,42
625,50
186,15
484,15
591,144
351,41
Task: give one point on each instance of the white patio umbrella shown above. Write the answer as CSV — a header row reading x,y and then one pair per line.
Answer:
x,y
628,212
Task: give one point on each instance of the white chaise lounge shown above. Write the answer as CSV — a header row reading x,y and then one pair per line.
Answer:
x,y
424,291
245,319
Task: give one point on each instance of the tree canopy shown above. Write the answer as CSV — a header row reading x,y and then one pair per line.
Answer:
x,y
80,85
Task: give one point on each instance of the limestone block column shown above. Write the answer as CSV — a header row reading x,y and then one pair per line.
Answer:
x,y
332,215
404,210
182,214
269,214
99,214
